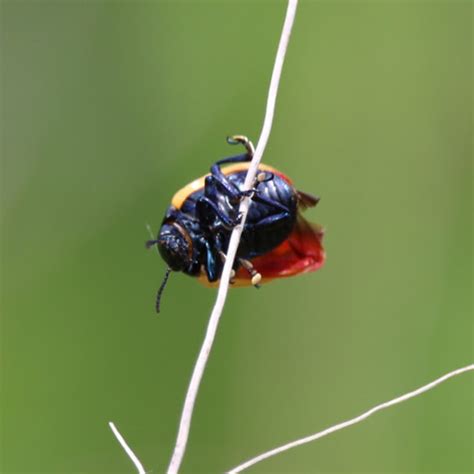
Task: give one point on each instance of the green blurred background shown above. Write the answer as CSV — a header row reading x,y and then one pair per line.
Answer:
x,y
109,107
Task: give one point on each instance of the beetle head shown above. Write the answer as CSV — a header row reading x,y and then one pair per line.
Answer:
x,y
175,246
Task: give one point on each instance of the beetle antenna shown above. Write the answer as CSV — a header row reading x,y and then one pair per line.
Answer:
x,y
160,290
150,243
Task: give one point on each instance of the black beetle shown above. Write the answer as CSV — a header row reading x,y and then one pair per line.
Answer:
x,y
276,240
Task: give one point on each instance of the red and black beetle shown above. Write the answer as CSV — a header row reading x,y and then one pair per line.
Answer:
x,y
276,241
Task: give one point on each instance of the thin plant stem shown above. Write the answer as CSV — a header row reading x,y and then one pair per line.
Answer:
x,y
127,449
187,413
353,421
313,437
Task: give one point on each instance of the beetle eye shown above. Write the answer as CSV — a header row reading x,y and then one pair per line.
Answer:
x,y
173,248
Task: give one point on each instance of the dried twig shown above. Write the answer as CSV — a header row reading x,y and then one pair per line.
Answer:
x,y
201,362
353,421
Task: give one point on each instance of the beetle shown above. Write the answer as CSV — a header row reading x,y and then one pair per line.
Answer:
x,y
276,240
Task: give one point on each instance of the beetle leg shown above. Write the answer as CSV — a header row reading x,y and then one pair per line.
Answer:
x,y
211,266
242,139
218,181
221,181
270,221
256,277
206,210
257,197
218,178
264,177
150,243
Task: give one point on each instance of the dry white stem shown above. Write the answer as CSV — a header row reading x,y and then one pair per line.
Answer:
x,y
201,362
185,422
353,421
127,449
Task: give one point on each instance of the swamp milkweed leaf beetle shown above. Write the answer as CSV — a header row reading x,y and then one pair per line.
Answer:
x,y
276,242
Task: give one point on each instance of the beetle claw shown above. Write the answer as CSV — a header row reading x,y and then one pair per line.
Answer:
x,y
264,177
256,277
242,139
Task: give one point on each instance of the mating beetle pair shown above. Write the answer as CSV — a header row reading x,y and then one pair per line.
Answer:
x,y
276,240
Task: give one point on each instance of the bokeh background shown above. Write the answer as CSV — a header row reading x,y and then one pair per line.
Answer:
x,y
109,107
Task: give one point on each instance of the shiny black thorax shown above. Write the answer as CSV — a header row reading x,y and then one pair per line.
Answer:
x,y
208,215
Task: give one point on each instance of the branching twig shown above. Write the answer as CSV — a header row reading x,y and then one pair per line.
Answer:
x,y
130,453
313,437
353,421
201,362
